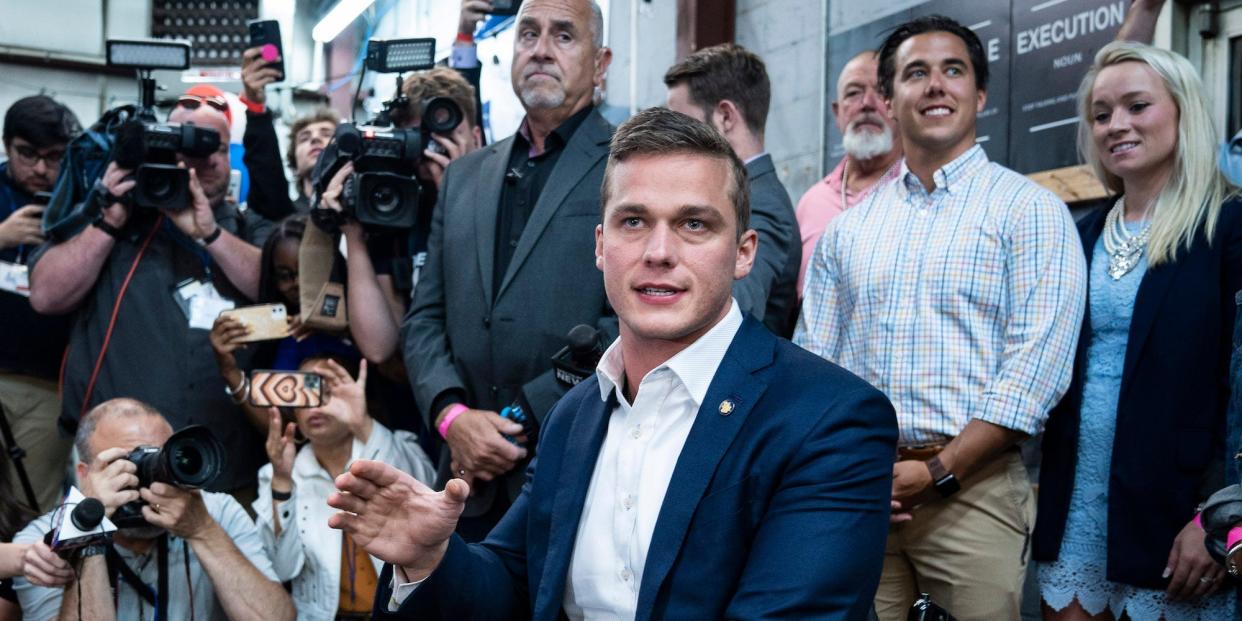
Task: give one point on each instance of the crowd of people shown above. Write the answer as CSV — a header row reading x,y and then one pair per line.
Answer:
x,y
843,388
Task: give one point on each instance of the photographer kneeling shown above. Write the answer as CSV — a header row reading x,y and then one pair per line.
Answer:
x,y
209,550
293,509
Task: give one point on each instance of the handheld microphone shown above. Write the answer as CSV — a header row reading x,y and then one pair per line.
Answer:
x,y
577,360
80,530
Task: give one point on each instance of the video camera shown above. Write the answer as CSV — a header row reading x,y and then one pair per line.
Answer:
x,y
191,459
383,190
149,147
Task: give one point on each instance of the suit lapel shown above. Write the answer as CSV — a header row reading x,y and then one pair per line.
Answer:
x,y
491,181
586,436
1147,302
709,439
585,149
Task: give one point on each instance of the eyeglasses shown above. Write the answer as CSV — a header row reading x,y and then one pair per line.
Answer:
x,y
30,157
192,102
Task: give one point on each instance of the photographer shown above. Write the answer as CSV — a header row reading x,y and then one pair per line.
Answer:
x,y
378,296
292,506
510,268
36,131
148,283
208,548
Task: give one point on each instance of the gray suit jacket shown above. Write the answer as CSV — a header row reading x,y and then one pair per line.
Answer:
x,y
770,291
457,336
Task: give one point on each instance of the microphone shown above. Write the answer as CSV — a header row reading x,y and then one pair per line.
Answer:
x,y
513,176
130,150
577,360
84,526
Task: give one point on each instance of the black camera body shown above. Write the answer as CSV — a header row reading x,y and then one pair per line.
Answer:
x,y
383,191
191,459
150,149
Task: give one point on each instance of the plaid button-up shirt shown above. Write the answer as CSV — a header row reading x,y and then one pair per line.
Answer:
x,y
959,304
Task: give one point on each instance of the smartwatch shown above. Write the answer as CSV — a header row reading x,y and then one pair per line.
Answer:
x,y
943,480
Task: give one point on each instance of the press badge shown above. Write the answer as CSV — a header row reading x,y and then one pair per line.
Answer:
x,y
201,303
15,278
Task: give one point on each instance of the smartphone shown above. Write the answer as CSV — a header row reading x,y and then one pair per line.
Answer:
x,y
267,322
292,389
505,7
265,33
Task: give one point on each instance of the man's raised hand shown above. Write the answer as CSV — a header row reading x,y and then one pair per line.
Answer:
x,y
396,518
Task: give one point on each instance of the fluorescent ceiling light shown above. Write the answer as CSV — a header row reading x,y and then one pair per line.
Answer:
x,y
341,15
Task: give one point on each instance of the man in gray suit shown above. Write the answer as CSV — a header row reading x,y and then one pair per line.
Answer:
x,y
727,87
510,263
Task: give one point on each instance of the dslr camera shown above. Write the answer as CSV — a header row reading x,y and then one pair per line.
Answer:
x,y
191,459
383,191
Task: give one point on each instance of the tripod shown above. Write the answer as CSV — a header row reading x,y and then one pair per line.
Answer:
x,y
16,455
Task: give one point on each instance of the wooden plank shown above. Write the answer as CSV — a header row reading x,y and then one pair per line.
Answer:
x,y
1072,183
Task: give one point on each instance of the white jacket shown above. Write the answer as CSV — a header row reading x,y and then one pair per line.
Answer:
x,y
308,552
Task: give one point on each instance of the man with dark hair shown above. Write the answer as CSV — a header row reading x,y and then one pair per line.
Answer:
x,y
308,136
958,290
508,271
37,131
147,284
726,86
206,547
748,450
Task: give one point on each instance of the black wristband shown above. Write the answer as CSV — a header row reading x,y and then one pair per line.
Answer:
x,y
103,225
282,496
211,237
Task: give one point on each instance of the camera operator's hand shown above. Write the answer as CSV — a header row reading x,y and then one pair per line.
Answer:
x,y
472,11
396,518
225,337
24,226
478,446
256,74
331,197
347,399
42,567
433,164
281,451
197,220
110,478
118,182
178,511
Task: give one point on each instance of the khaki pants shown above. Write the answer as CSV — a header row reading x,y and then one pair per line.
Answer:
x,y
968,551
32,406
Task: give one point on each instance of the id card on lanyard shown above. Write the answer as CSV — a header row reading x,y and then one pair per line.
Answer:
x,y
198,299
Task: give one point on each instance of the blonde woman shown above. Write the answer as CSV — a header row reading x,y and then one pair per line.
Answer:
x,y
1137,441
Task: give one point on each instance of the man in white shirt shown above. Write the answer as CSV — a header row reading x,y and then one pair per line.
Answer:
x,y
708,470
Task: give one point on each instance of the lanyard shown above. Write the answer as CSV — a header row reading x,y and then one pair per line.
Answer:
x,y
118,569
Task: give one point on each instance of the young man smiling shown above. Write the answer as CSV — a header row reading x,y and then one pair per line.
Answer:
x,y
958,290
688,477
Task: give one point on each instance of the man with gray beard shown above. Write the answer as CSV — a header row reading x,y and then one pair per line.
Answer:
x,y
871,154
510,264
200,548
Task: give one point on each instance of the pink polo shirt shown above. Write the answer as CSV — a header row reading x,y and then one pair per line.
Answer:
x,y
822,203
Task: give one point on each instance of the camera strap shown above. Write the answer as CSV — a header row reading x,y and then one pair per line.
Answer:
x,y
119,570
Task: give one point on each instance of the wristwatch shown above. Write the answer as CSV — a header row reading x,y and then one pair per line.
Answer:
x,y
92,550
943,480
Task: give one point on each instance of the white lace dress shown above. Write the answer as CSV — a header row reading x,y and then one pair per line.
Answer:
x,y
1079,571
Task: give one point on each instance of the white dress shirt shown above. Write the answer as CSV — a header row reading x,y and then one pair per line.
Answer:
x,y
633,470
631,475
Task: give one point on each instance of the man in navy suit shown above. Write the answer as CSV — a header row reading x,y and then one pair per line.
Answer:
x,y
708,470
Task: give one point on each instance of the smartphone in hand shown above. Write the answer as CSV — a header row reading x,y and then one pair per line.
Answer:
x,y
292,389
265,33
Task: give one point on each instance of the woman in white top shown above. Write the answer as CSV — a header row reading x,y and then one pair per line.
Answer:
x,y
329,581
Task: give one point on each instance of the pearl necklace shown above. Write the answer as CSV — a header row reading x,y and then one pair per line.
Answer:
x,y
1124,249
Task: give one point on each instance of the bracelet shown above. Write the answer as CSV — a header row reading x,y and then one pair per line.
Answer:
x,y
103,225
238,395
281,496
464,37
452,415
252,107
211,237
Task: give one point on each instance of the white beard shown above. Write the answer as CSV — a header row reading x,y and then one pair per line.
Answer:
x,y
866,145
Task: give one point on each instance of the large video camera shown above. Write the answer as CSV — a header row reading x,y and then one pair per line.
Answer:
x,y
191,459
149,147
383,190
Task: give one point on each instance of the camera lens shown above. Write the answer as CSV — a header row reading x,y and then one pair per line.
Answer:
x,y
441,115
160,188
385,198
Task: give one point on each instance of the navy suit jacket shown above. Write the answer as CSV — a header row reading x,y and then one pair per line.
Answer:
x,y
777,510
1169,449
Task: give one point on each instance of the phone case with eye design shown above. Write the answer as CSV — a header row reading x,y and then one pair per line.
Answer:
x,y
293,389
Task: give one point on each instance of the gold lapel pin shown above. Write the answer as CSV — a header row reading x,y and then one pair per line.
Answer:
x,y
726,407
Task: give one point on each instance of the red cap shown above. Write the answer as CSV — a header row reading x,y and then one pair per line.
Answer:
x,y
205,91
